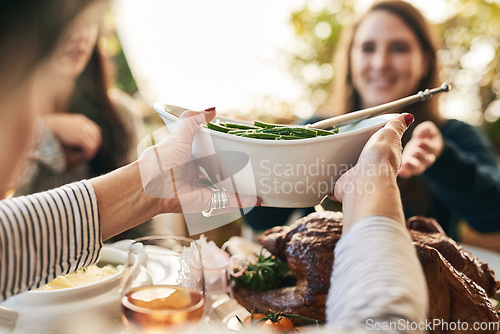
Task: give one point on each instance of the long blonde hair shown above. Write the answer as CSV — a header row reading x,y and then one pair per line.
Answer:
x,y
344,98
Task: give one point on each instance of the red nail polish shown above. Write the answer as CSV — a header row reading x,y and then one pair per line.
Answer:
x,y
210,109
409,119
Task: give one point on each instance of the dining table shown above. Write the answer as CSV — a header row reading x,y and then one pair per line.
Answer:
x,y
221,311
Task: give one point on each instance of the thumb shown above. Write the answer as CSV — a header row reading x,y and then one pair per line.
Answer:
x,y
190,122
400,123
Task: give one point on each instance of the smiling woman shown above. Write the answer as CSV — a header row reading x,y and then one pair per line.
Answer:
x,y
389,51
449,169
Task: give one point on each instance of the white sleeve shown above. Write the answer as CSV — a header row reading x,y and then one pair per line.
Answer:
x,y
47,234
377,279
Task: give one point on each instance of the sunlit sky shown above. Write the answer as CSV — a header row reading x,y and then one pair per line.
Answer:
x,y
224,53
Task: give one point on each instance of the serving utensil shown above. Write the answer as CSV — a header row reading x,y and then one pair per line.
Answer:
x,y
369,112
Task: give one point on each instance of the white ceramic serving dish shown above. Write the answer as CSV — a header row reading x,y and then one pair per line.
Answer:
x,y
88,307
282,173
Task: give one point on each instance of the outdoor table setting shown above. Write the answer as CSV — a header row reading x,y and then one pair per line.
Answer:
x,y
98,307
266,167
178,284
105,303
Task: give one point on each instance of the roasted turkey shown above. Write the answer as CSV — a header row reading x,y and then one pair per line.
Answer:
x,y
459,284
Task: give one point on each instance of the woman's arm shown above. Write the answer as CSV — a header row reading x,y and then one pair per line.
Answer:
x,y
377,279
164,179
46,235
56,232
376,275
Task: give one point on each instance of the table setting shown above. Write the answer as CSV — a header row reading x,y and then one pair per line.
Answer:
x,y
108,306
173,284
98,307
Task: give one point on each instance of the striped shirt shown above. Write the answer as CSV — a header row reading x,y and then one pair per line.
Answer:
x,y
377,279
47,234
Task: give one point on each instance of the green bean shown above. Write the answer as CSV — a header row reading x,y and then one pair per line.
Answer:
x,y
216,127
291,131
266,125
263,130
238,126
262,136
292,137
240,132
326,132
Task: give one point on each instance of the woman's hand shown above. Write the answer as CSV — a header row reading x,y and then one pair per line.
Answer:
x,y
167,170
425,146
164,179
370,188
77,133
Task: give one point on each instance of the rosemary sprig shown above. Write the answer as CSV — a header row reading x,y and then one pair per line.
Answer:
x,y
264,274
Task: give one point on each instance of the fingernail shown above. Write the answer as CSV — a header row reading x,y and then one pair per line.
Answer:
x,y
409,119
210,109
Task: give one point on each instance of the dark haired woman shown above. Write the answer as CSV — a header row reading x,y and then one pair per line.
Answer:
x,y
83,132
449,169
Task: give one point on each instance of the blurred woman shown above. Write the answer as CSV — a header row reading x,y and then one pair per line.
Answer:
x,y
449,169
55,232
83,132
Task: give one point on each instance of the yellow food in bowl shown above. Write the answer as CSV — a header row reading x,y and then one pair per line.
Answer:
x,y
86,275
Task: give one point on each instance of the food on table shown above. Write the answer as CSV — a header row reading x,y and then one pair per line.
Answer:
x,y
83,276
261,130
428,232
307,246
459,284
274,323
253,319
263,273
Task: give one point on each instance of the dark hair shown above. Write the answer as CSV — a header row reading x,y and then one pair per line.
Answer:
x,y
414,192
29,31
344,96
92,100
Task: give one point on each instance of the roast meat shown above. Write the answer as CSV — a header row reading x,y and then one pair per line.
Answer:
x,y
458,283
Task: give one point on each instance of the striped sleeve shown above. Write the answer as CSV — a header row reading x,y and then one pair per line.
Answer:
x,y
377,278
47,234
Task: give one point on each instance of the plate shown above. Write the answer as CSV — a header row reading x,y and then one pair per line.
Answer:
x,y
54,311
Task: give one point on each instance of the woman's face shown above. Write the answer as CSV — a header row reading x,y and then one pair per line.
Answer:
x,y
387,61
75,47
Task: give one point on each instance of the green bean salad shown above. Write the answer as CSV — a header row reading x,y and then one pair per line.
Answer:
x,y
261,130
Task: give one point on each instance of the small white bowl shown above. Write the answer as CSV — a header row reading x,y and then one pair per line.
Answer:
x,y
54,310
282,173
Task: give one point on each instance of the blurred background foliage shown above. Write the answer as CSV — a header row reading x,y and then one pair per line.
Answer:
x,y
121,75
470,55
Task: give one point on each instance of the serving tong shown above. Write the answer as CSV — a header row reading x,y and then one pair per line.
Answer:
x,y
369,112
